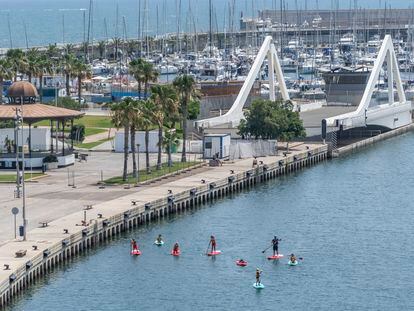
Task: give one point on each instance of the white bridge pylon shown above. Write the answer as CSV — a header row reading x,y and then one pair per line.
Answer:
x,y
235,114
390,115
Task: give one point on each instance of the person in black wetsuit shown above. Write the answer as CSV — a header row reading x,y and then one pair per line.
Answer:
x,y
212,243
275,244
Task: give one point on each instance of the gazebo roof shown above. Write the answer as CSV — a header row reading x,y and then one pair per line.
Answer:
x,y
22,89
37,112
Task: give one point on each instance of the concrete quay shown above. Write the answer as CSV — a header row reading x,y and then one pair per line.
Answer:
x,y
74,233
370,141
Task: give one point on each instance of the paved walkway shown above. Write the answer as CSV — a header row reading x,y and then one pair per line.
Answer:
x,y
109,133
50,197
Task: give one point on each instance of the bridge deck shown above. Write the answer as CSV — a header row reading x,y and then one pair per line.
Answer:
x,y
312,119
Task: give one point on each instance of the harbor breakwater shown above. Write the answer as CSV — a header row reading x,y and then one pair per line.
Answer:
x,y
25,262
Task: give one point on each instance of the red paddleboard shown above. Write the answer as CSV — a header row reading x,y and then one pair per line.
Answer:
x,y
136,252
177,253
214,253
241,264
275,257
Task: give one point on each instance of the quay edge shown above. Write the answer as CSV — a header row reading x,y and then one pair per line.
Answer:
x,y
54,246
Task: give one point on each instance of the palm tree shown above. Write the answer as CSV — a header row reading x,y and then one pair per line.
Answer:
x,y
45,67
136,119
33,64
117,42
186,88
85,49
146,122
170,140
17,62
52,51
101,48
5,73
69,48
150,74
67,69
81,71
135,69
120,115
166,106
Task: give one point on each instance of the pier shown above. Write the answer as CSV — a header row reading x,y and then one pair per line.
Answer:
x,y
23,263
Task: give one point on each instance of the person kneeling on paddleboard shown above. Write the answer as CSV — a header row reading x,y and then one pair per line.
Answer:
x,y
292,258
176,248
258,274
213,243
159,238
275,243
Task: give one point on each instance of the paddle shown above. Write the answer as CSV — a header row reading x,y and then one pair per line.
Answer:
x,y
267,248
270,246
207,248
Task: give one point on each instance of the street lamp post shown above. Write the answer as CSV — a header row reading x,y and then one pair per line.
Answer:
x,y
16,146
23,179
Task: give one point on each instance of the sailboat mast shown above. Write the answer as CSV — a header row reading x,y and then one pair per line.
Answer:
x,y
210,35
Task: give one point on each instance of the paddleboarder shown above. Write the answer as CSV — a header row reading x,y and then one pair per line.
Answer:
x,y
176,248
159,238
134,244
258,274
212,243
275,244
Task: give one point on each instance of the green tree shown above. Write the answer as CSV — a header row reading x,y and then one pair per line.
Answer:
x,y
135,69
5,73
170,141
146,123
101,49
166,106
17,62
81,71
135,119
271,120
45,67
33,64
121,118
187,93
66,102
116,42
67,63
150,74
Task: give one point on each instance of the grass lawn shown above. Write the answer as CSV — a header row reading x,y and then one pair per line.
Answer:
x,y
88,121
143,176
95,121
91,144
92,131
12,177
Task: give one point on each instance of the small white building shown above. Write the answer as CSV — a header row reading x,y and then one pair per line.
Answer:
x,y
216,145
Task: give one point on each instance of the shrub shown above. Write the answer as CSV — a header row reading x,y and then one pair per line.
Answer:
x,y
51,158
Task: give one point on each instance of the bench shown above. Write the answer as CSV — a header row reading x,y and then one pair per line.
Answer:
x,y
21,253
134,202
44,223
83,157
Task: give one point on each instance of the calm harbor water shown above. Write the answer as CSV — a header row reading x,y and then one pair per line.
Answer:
x,y
57,21
350,219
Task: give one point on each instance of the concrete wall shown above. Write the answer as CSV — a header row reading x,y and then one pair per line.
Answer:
x,y
139,139
40,138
